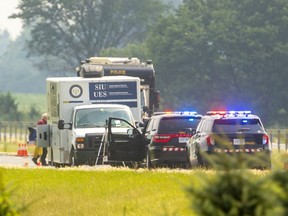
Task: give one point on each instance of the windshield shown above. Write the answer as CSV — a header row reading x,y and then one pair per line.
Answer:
x,y
97,117
178,124
237,125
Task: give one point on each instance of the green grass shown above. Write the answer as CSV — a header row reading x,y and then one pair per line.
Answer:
x,y
109,192
114,192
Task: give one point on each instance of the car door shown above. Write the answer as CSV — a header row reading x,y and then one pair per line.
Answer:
x,y
127,145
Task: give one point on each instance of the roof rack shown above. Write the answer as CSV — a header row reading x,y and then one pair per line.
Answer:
x,y
113,60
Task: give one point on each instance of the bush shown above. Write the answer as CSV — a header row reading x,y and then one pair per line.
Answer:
x,y
7,207
234,191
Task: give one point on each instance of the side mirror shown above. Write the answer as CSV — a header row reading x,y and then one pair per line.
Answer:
x,y
193,131
61,124
145,109
140,124
190,131
130,131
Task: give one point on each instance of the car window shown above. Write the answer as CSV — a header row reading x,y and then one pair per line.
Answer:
x,y
237,125
177,124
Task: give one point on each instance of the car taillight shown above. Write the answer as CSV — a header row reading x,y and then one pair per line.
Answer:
x,y
210,140
265,139
161,138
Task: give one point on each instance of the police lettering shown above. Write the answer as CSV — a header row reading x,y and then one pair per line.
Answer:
x,y
118,72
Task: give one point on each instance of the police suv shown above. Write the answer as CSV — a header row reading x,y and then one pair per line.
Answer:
x,y
230,133
166,135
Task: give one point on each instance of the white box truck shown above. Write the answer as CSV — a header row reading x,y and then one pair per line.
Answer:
x,y
78,109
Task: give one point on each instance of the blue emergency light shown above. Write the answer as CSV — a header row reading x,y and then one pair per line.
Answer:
x,y
228,113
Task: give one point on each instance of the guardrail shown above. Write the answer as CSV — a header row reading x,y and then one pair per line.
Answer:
x,y
11,132
279,138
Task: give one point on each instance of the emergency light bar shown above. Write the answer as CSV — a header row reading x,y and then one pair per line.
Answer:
x,y
228,113
176,112
185,112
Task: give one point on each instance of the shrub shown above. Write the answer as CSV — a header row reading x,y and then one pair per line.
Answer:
x,y
234,191
7,207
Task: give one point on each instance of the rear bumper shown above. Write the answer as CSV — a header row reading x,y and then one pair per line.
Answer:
x,y
168,156
251,158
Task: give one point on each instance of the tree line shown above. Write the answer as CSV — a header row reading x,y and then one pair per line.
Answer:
x,y
10,111
221,54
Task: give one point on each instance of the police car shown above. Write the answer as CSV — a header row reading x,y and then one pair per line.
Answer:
x,y
166,135
234,132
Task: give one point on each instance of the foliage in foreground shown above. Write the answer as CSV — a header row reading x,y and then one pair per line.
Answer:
x,y
7,206
236,191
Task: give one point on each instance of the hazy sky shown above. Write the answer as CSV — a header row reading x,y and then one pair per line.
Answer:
x,y
13,26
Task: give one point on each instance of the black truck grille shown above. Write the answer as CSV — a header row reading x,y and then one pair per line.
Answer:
x,y
93,141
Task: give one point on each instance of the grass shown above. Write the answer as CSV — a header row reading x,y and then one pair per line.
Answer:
x,y
109,192
114,192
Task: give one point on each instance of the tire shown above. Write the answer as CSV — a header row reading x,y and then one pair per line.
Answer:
x,y
51,163
73,160
187,165
199,158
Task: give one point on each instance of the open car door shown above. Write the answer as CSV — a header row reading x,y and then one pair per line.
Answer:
x,y
125,142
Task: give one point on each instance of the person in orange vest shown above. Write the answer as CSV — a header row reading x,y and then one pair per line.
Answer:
x,y
39,151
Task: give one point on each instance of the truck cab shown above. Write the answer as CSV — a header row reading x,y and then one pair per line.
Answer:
x,y
87,126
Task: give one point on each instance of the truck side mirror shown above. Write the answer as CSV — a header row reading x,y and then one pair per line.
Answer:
x,y
61,124
130,131
145,109
140,124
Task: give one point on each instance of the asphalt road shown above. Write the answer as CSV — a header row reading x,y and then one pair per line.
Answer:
x,y
18,161
11,160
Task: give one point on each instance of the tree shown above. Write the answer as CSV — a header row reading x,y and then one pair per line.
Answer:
x,y
224,54
9,108
73,30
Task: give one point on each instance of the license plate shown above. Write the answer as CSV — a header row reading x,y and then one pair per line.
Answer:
x,y
183,139
239,141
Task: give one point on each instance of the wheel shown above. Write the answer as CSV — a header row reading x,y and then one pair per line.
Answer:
x,y
73,160
187,164
199,158
51,163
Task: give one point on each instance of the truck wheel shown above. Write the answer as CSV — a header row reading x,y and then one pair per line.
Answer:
x,y
73,160
52,159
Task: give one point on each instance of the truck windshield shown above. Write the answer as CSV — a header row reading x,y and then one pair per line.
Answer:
x,y
97,117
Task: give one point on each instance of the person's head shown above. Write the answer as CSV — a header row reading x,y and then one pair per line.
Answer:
x,y
44,116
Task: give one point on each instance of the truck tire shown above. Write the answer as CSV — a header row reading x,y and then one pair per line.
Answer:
x,y
73,160
51,163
